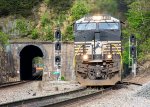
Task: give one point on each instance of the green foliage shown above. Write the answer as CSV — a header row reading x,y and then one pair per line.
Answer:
x,y
47,1
68,34
60,13
48,34
62,78
60,19
129,1
138,24
145,47
106,6
34,34
79,9
59,6
125,53
3,38
138,18
18,7
37,60
45,20
23,26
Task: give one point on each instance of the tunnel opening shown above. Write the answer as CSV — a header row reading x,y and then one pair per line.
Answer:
x,y
27,68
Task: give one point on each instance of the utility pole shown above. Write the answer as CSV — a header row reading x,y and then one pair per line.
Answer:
x,y
133,53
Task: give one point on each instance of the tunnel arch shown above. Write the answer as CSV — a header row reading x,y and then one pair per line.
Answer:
x,y
27,54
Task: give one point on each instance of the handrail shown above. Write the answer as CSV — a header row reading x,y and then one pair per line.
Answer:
x,y
74,61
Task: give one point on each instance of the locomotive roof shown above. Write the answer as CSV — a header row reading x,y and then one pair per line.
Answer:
x,y
100,18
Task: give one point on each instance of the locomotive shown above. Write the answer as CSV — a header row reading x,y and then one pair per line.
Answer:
x,y
37,71
97,48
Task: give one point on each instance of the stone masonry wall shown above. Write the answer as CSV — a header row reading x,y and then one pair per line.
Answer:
x,y
67,55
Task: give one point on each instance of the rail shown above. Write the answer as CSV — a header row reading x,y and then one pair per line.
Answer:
x,y
57,99
4,85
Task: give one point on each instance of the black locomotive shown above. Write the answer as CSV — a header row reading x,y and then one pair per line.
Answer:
x,y
97,50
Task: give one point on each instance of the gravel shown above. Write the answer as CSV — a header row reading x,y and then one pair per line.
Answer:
x,y
35,89
131,96
144,91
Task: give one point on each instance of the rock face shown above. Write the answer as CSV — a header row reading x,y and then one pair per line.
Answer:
x,y
6,67
144,67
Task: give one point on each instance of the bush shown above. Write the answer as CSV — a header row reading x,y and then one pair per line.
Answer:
x,y
79,10
34,34
138,19
62,78
19,7
68,34
48,34
45,20
107,6
3,38
23,26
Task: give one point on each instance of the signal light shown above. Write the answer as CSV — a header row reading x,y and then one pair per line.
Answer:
x,y
132,39
58,35
57,46
57,60
133,51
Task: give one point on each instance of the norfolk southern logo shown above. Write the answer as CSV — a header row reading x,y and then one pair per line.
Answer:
x,y
98,46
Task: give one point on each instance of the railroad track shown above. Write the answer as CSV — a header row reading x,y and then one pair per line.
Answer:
x,y
62,99
58,100
133,83
4,85
73,102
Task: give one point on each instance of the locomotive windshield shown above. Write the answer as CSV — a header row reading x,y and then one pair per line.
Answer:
x,y
86,26
108,30
107,25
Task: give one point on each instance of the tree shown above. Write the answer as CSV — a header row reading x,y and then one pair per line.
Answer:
x,y
17,7
138,23
79,9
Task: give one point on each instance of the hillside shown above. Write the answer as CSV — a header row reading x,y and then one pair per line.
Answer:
x,y
38,19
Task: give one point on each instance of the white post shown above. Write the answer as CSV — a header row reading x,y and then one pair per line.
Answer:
x,y
129,52
133,67
134,63
59,70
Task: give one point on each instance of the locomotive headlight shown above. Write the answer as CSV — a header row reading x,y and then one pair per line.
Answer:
x,y
109,56
85,57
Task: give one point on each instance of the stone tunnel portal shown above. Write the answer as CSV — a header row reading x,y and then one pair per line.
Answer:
x,y
27,54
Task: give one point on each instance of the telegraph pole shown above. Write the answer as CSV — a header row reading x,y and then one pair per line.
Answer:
x,y
133,53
